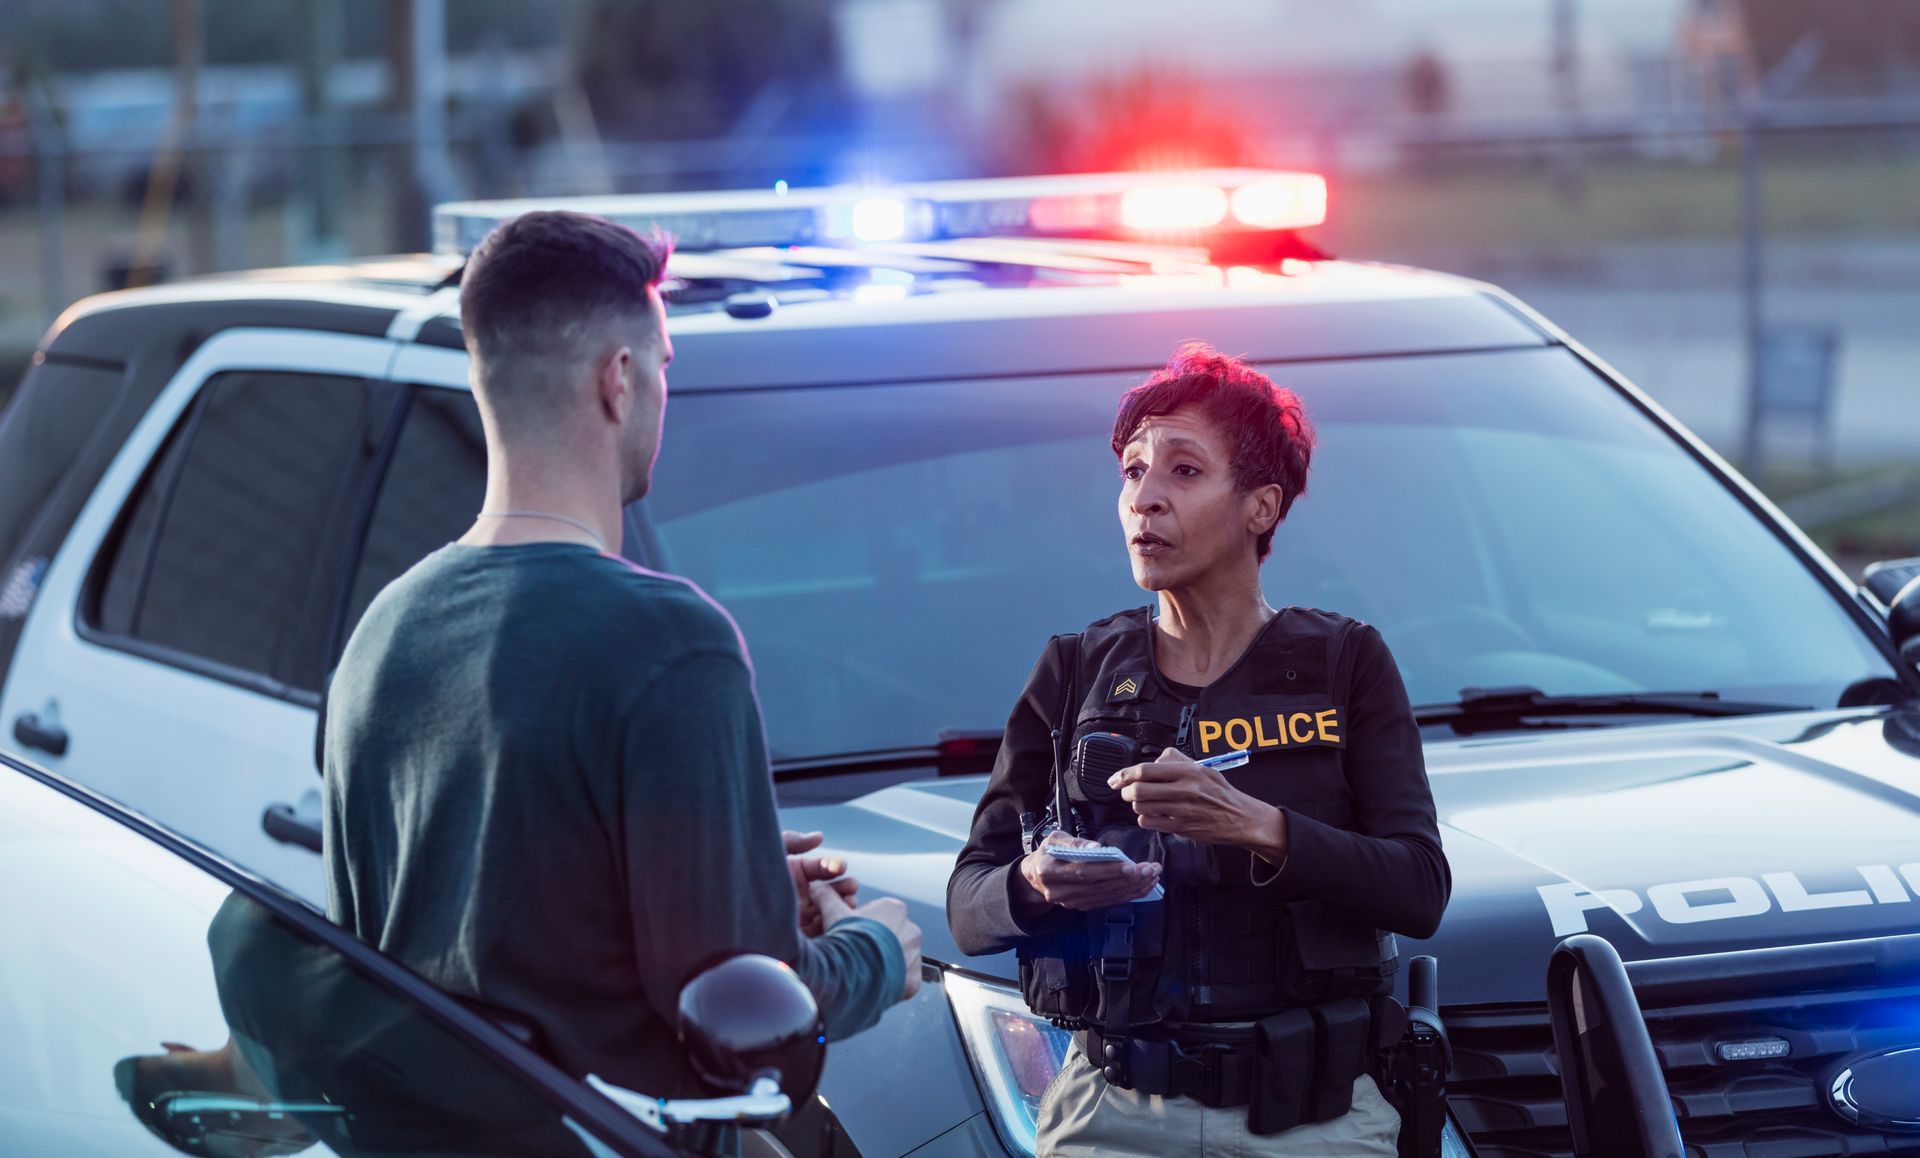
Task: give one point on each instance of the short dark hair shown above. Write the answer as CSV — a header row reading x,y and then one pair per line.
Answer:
x,y
1266,425
539,283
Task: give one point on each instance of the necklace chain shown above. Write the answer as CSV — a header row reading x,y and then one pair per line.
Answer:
x,y
549,515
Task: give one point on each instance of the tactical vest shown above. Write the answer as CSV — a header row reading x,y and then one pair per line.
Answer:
x,y
1219,947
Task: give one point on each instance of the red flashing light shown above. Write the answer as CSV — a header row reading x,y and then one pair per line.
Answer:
x,y
1288,201
1173,208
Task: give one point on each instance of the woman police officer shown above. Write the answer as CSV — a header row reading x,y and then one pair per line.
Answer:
x,y
1241,1012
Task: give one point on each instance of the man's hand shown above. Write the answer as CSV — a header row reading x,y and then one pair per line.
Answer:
x,y
889,911
807,870
1085,885
1175,795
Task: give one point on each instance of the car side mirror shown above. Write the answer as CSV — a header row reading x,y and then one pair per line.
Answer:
x,y
1617,1100
1885,578
751,1018
752,1032
1903,621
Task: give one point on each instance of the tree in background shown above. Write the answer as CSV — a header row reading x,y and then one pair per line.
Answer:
x,y
71,35
1429,93
667,69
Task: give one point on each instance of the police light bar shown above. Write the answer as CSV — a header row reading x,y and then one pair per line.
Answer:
x,y
1172,206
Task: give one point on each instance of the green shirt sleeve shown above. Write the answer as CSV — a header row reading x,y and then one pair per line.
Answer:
x,y
700,844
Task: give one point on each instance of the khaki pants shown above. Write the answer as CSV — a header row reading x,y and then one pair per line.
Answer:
x,y
1082,1116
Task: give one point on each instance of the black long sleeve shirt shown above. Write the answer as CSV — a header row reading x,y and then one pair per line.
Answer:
x,y
1388,869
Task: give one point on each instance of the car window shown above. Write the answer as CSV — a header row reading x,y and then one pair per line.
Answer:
x,y
897,556
56,409
431,491
223,557
150,1010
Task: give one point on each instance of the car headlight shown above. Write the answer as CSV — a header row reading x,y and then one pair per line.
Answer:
x,y
1017,1054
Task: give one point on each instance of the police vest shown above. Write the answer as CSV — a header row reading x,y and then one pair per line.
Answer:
x,y
1219,947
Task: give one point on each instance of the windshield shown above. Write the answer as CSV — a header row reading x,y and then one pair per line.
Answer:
x,y
897,556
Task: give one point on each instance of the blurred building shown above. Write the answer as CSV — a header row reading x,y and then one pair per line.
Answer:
x,y
1246,80
1860,48
116,120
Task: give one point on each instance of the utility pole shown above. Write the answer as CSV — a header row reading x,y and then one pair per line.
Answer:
x,y
1792,69
323,163
1568,178
189,56
417,56
402,227
1752,289
174,161
50,163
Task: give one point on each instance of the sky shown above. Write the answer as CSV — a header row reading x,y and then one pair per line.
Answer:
x,y
1101,33
1634,24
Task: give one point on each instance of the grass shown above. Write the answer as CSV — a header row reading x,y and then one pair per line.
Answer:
x,y
1509,206
1855,538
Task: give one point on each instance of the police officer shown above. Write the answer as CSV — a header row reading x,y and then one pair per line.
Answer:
x,y
1226,982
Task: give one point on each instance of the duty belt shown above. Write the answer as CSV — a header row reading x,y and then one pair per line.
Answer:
x,y
1296,1066
1213,1073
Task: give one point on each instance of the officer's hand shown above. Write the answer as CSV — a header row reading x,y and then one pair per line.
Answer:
x,y
1085,885
889,911
1174,794
805,870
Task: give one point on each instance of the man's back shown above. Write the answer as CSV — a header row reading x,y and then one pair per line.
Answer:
x,y
546,789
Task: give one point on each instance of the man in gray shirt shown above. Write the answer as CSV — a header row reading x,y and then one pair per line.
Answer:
x,y
547,786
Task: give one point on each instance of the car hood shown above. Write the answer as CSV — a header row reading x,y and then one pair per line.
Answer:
x,y
1666,839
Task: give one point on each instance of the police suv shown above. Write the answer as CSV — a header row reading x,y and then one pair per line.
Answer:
x,y
1653,710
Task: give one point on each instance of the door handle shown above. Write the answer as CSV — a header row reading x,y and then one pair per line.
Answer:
x,y
48,738
281,823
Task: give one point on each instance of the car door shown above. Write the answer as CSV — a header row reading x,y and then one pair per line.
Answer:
x,y
175,656
156,1002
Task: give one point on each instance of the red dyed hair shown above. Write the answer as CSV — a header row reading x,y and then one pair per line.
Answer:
x,y
1264,424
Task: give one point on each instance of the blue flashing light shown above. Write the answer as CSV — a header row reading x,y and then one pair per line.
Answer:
x,y
879,219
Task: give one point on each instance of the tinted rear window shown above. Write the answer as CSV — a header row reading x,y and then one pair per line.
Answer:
x,y
222,556
58,405
42,438
431,491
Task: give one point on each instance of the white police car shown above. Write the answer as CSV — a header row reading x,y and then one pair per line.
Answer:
x,y
162,1001
1653,709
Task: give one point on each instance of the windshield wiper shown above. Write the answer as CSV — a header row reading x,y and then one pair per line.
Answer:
x,y
1520,706
956,752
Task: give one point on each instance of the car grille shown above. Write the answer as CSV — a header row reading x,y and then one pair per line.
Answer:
x,y
1505,1087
